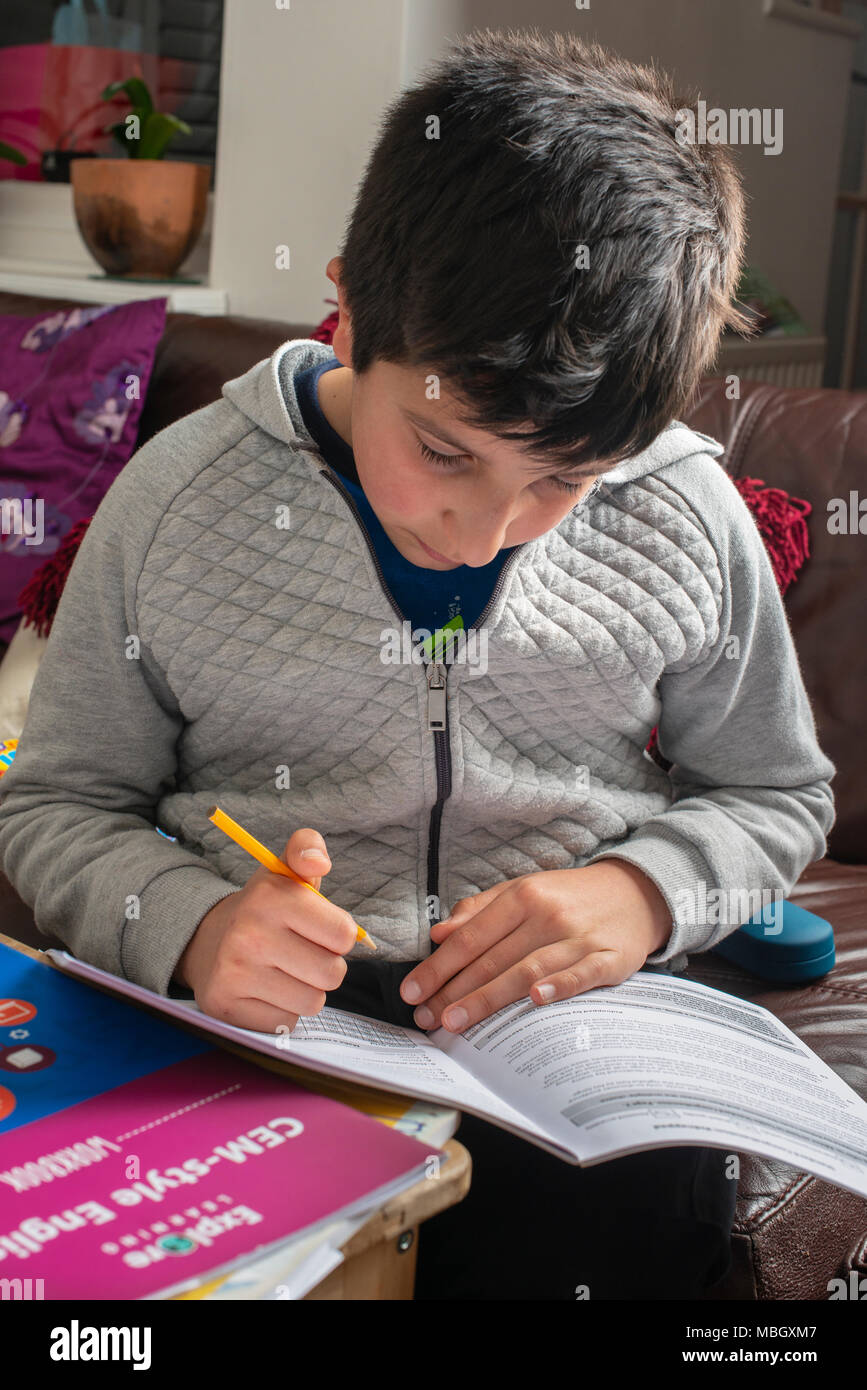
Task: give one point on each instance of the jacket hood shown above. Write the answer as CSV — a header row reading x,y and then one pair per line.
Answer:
x,y
266,395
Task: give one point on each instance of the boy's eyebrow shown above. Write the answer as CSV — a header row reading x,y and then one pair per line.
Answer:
x,y
432,427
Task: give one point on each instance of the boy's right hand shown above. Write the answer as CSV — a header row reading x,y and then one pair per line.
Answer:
x,y
269,952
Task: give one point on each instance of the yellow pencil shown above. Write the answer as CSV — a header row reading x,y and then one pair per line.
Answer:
x,y
243,838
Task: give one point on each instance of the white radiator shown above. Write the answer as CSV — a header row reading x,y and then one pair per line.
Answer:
x,y
785,361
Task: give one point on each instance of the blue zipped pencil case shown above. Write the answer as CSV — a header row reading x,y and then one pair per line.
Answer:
x,y
783,942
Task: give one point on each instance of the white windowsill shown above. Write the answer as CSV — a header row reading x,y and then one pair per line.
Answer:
x,y
69,284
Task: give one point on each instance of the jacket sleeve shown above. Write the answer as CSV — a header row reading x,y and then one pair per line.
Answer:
x,y
78,803
752,804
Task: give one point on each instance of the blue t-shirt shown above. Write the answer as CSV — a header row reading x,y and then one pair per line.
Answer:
x,y
428,598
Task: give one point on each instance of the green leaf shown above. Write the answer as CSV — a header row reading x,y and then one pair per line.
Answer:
x,y
119,132
156,133
136,90
9,152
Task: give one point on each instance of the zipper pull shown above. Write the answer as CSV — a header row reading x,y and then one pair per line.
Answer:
x,y
437,673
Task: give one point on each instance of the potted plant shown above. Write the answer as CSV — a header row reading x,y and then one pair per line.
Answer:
x,y
140,215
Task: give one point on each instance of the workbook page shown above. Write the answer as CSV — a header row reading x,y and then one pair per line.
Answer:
x,y
385,1054
337,1043
658,1061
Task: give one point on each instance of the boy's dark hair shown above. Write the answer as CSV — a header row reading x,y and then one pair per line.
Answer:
x,y
460,251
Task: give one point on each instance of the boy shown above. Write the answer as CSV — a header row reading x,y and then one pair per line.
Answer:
x,y
535,277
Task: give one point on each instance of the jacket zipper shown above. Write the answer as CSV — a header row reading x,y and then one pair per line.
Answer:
x,y
437,722
437,673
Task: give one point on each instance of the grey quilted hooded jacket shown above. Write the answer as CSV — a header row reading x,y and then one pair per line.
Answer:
x,y
212,646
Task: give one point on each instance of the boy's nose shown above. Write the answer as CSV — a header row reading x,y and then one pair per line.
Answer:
x,y
477,555
479,537
479,546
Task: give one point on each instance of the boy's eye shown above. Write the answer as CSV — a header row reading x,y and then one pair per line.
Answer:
x,y
569,487
449,460
445,460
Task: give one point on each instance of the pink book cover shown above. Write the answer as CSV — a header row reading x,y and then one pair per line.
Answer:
x,y
181,1173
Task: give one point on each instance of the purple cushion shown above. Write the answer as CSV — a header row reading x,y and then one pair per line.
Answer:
x,y
67,426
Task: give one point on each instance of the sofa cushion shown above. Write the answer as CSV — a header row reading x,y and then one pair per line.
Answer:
x,y
69,415
813,443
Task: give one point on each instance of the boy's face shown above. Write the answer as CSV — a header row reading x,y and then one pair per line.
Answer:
x,y
482,500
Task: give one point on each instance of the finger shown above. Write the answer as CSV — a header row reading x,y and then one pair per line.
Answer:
x,y
289,994
519,951
306,852
307,913
507,988
304,960
468,941
466,908
257,1015
279,985
441,930
599,968
278,999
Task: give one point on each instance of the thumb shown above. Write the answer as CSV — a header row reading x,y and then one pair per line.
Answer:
x,y
306,853
465,909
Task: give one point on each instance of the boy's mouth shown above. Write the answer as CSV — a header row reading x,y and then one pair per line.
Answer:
x,y
434,554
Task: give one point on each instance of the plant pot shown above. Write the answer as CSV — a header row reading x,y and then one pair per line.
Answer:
x,y
139,217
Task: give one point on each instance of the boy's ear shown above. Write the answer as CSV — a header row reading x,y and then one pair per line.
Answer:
x,y
341,339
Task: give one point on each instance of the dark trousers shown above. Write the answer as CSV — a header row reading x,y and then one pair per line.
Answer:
x,y
652,1225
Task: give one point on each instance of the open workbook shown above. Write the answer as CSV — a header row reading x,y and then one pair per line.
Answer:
x,y
653,1062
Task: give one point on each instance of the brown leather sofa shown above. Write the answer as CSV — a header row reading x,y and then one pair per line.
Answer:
x,y
793,1232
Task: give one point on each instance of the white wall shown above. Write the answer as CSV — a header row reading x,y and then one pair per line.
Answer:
x,y
303,91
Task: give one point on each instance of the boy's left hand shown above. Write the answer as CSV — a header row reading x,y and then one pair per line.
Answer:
x,y
571,929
